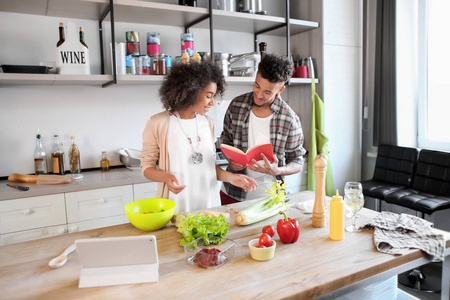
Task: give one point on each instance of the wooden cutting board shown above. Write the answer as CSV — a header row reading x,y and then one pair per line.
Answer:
x,y
237,231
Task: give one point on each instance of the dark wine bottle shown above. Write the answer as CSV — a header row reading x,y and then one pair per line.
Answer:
x,y
82,37
61,35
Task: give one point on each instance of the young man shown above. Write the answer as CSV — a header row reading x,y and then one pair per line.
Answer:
x,y
261,117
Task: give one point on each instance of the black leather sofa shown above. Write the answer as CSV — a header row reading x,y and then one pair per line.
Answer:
x,y
419,180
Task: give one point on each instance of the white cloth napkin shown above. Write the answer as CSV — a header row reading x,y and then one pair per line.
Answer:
x,y
305,207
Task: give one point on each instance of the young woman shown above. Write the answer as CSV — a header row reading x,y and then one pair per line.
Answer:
x,y
178,144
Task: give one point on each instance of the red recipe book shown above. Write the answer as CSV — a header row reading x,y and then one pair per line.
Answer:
x,y
242,158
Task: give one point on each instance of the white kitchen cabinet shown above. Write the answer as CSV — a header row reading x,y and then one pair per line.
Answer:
x,y
31,218
97,223
145,190
28,235
30,213
92,205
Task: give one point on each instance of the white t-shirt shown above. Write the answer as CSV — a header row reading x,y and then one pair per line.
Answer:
x,y
259,133
200,179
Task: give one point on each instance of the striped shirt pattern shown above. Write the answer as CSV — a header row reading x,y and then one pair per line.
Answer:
x,y
286,134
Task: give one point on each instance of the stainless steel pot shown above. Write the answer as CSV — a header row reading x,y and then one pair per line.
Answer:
x,y
206,56
229,5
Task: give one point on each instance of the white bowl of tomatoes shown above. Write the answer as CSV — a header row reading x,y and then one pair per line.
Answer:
x,y
262,252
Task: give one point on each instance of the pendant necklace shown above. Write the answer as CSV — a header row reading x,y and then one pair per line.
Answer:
x,y
197,157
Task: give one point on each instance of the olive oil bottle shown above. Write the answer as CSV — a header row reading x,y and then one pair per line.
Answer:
x,y
40,157
104,163
57,156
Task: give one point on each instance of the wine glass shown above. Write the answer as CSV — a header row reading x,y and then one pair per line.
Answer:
x,y
354,200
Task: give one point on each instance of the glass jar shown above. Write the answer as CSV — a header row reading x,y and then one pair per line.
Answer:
x,y
159,64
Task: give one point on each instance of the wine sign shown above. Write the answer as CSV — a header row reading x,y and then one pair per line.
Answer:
x,y
71,56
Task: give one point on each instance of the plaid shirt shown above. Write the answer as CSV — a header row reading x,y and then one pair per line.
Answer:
x,y
286,134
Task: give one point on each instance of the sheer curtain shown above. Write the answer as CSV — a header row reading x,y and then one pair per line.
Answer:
x,y
385,102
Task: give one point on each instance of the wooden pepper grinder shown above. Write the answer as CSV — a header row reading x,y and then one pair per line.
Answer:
x,y
320,210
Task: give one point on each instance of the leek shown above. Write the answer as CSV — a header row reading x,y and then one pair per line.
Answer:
x,y
266,207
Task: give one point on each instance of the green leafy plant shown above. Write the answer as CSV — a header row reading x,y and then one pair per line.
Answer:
x,y
212,230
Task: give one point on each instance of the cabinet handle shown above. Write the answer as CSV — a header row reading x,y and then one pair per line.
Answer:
x,y
62,230
101,201
74,228
27,211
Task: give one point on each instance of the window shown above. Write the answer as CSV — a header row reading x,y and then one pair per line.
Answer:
x,y
434,74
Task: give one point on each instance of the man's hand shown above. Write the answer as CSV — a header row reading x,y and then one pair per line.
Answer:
x,y
267,167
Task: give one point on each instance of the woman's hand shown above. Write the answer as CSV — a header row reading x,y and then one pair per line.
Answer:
x,y
244,182
173,184
235,166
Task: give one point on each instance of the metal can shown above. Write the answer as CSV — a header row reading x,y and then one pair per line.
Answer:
x,y
168,64
153,43
187,43
133,44
130,66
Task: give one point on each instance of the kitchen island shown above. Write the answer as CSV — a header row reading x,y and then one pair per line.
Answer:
x,y
314,266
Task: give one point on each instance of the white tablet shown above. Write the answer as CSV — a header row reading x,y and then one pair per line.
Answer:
x,y
118,260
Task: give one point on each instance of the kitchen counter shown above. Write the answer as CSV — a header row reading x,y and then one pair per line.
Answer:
x,y
91,180
314,266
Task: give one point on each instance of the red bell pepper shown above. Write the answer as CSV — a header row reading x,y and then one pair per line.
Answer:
x,y
288,229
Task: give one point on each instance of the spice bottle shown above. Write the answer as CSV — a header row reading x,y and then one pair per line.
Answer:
x,y
337,216
104,163
57,156
74,158
40,157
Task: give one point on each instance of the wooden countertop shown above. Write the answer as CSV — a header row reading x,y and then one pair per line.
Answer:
x,y
91,180
313,266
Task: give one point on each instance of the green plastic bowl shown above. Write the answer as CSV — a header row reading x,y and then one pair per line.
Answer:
x,y
150,214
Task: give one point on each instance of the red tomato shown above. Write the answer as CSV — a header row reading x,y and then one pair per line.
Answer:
x,y
260,246
269,229
265,240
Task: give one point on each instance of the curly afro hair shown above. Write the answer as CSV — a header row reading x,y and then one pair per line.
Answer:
x,y
181,88
275,68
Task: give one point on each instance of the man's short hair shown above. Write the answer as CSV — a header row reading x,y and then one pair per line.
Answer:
x,y
275,68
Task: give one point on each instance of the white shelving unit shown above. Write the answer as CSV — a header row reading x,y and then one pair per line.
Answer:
x,y
143,12
96,80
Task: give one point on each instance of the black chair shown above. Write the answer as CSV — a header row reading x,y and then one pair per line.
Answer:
x,y
430,189
394,170
430,192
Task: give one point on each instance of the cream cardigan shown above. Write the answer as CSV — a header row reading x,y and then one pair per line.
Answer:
x,y
154,146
